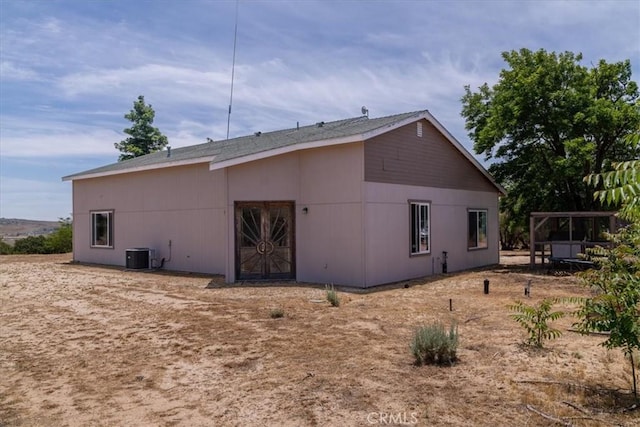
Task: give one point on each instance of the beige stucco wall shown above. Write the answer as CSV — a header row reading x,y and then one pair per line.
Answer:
x,y
354,233
331,234
388,238
184,205
328,182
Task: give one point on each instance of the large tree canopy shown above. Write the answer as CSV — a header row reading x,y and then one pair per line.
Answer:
x,y
548,122
143,138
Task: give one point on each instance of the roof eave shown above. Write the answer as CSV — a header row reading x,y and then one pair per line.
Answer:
x,y
163,165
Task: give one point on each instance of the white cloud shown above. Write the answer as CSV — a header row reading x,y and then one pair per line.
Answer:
x,y
51,26
181,83
58,139
54,139
11,72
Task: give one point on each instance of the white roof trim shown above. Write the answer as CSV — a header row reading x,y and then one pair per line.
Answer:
x,y
140,168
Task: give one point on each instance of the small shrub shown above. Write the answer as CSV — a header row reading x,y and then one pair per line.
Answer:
x,y
31,245
534,319
432,344
276,313
332,296
5,248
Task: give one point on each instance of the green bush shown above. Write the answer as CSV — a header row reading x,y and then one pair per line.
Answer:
x,y
58,242
5,248
535,320
432,344
332,296
31,245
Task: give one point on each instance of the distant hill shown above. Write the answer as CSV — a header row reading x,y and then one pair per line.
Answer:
x,y
12,229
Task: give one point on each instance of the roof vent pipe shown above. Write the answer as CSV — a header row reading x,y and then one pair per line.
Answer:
x,y
320,124
168,151
258,133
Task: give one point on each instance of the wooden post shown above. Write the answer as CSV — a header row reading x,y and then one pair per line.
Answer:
x,y
532,242
570,232
612,224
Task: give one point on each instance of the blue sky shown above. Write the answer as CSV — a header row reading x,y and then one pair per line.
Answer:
x,y
70,70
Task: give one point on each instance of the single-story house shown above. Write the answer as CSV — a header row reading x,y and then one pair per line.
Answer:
x,y
358,202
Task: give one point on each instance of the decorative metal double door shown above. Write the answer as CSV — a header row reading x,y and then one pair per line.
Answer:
x,y
265,240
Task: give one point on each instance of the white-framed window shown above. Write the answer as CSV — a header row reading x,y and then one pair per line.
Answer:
x,y
420,228
102,229
477,234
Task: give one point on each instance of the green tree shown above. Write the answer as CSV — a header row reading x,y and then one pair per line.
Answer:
x,y
60,241
550,121
622,184
616,306
513,233
143,137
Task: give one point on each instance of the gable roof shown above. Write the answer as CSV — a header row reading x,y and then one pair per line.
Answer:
x,y
222,154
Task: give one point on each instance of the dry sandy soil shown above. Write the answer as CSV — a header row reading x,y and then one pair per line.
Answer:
x,y
88,345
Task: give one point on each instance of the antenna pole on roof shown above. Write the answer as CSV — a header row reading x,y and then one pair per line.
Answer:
x,y
233,68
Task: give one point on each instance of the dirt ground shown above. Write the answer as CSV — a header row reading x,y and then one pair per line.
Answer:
x,y
88,345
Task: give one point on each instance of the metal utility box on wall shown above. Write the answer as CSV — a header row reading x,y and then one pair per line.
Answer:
x,y
139,258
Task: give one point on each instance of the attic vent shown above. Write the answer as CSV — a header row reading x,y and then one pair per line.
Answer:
x,y
320,124
258,133
419,129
